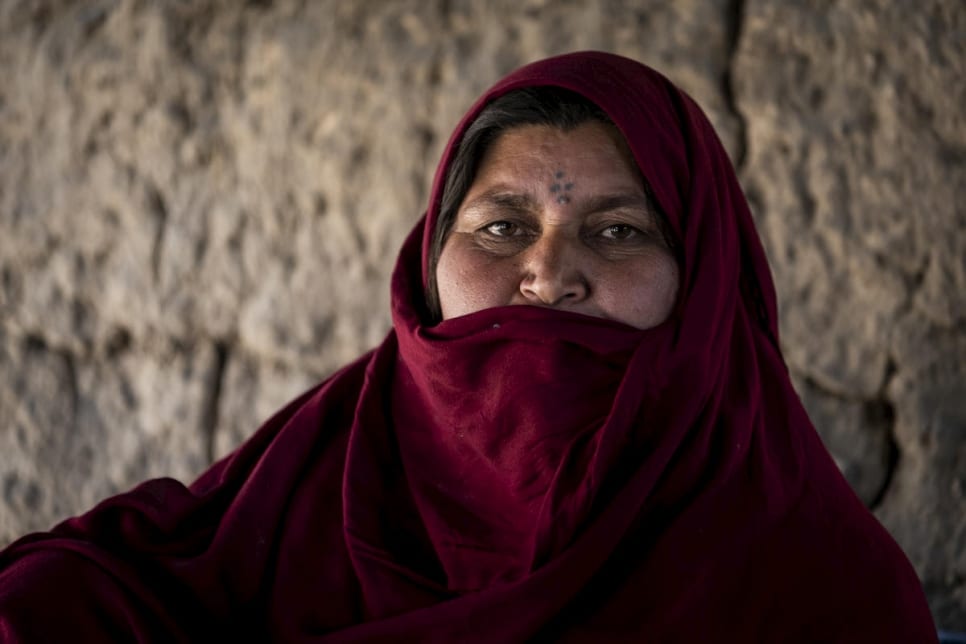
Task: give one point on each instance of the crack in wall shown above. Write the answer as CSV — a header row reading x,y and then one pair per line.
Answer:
x,y
73,391
881,412
878,414
734,21
159,211
211,407
887,415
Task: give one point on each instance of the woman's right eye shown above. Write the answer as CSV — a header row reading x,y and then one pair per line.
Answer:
x,y
502,229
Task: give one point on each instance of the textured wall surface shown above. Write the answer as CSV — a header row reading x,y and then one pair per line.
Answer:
x,y
201,203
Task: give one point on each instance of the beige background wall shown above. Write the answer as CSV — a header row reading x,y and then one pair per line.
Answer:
x,y
201,202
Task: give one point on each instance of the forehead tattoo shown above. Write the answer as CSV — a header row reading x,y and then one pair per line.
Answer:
x,y
561,187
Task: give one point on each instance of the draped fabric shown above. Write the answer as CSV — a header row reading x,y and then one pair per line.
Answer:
x,y
518,473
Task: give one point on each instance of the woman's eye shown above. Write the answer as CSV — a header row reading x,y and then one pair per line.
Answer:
x,y
619,231
501,228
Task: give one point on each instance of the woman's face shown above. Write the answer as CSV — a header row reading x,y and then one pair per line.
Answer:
x,y
559,219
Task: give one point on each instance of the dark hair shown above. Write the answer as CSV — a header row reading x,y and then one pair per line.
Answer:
x,y
553,106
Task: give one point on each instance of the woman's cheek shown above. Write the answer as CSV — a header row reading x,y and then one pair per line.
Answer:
x,y
487,283
664,291
470,279
642,294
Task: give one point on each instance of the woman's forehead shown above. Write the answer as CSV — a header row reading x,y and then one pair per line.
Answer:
x,y
590,146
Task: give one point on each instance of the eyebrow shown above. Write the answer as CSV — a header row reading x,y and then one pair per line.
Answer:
x,y
617,201
507,199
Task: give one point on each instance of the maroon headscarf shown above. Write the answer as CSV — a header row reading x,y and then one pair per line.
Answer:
x,y
517,473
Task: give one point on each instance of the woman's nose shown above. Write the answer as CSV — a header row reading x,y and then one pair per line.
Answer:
x,y
553,272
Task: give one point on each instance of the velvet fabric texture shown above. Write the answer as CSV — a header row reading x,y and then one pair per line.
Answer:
x,y
518,473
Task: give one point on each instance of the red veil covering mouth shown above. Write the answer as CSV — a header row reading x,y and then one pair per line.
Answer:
x,y
518,473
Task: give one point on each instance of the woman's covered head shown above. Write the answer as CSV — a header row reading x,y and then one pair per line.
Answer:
x,y
591,184
543,204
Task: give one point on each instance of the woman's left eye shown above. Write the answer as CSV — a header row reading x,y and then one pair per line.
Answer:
x,y
502,229
619,231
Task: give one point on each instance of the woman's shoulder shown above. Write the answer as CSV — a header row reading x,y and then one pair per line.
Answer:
x,y
859,584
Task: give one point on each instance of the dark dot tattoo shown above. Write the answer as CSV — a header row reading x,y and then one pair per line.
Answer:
x,y
561,188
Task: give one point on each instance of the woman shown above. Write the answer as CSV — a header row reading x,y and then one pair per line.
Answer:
x,y
622,458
